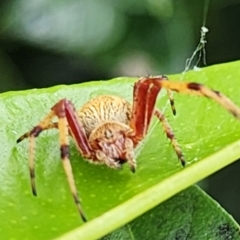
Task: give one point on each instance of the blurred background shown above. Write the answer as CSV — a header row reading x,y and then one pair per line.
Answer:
x,y
44,43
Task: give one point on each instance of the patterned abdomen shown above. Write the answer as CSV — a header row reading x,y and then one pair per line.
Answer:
x,y
104,109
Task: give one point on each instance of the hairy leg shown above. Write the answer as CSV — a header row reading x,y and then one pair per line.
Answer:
x,y
170,134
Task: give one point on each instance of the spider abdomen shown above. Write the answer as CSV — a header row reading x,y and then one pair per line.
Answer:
x,y
102,109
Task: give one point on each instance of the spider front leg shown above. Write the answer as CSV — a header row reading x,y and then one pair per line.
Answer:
x,y
145,95
68,123
45,124
144,100
194,89
27,134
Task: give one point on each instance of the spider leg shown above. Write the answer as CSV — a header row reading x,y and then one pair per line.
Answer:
x,y
27,134
68,124
169,132
64,148
171,99
144,99
195,89
43,125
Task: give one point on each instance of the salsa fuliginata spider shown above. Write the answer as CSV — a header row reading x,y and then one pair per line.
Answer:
x,y
107,129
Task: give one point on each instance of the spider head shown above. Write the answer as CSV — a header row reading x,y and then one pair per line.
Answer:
x,y
113,145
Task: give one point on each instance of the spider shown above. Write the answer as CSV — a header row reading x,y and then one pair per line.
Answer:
x,y
107,129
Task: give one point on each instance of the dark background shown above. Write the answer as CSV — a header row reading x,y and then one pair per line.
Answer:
x,y
45,43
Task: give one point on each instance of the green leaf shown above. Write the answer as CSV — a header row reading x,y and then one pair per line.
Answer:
x,y
202,127
191,214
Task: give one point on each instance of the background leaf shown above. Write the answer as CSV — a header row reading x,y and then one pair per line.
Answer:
x,y
201,126
191,214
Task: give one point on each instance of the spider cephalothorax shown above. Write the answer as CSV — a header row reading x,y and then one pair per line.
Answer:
x,y
107,129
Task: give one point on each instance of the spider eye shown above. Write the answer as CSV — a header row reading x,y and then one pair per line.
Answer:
x,y
108,134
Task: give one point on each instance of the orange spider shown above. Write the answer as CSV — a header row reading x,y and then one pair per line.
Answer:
x,y
107,129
